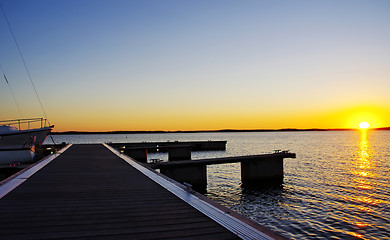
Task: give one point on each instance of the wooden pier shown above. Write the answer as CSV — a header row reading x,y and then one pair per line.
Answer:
x,y
93,192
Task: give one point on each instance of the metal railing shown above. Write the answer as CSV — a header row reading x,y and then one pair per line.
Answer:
x,y
26,123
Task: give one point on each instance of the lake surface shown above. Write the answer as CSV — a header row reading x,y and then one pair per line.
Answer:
x,y
338,187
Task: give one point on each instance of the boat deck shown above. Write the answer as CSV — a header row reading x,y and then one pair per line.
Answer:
x,y
88,192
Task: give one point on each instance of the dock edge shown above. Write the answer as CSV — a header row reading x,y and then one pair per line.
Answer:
x,y
9,184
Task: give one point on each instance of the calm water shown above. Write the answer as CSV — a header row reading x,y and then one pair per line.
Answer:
x,y
338,186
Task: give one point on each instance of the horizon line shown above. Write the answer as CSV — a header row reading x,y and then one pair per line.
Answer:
x,y
220,130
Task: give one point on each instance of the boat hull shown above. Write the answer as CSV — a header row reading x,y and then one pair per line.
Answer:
x,y
24,138
9,158
19,146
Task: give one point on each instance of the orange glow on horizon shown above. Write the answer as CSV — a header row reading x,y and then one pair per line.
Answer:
x,y
194,119
374,117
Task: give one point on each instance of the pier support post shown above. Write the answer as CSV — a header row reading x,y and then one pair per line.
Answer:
x,y
139,154
262,171
194,175
179,152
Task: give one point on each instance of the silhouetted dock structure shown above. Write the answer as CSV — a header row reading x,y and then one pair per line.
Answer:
x,y
255,169
176,150
91,192
164,146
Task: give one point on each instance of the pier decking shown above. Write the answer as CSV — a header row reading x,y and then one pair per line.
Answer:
x,y
88,192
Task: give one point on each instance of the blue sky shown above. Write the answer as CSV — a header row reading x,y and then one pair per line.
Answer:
x,y
197,64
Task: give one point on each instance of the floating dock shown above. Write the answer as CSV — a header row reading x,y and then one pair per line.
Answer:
x,y
255,169
94,192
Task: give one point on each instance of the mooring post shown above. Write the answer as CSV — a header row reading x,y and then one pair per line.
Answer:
x,y
262,171
179,152
192,174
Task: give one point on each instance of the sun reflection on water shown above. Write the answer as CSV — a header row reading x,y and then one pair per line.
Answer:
x,y
363,177
362,165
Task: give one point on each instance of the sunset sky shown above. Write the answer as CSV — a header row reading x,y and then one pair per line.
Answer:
x,y
198,65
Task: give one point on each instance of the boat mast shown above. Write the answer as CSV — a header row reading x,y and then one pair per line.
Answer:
x,y
24,62
12,92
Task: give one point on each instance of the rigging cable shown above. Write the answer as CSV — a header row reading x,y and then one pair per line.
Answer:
x,y
12,92
24,62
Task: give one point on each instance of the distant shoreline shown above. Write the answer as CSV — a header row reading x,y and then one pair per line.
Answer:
x,y
214,131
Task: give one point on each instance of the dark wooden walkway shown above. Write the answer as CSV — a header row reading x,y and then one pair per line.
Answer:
x,y
90,193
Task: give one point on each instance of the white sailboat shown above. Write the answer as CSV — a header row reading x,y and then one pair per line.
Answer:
x,y
19,139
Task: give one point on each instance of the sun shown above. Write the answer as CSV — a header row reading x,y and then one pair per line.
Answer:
x,y
364,125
